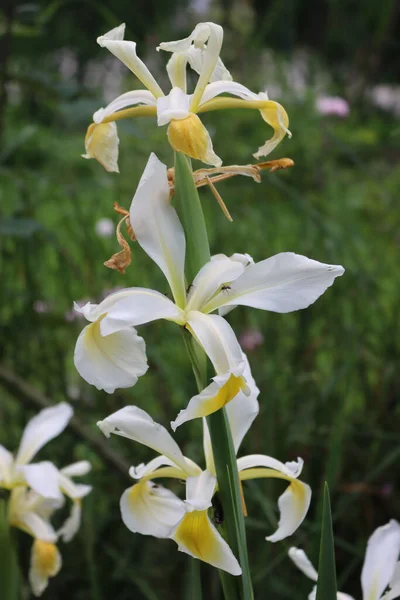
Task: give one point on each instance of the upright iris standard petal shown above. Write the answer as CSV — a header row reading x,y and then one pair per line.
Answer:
x,y
157,226
151,509
135,424
197,536
381,557
112,361
203,32
126,52
45,426
45,563
219,271
101,143
200,490
283,283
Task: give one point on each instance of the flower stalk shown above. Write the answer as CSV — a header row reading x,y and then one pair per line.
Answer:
x,y
9,575
189,208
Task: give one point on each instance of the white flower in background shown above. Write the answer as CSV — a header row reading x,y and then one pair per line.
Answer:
x,y
381,569
31,512
151,509
105,228
178,109
43,477
109,354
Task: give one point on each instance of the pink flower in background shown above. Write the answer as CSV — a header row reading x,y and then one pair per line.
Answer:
x,y
332,105
250,339
105,228
41,306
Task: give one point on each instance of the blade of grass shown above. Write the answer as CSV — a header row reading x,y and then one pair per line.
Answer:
x,y
326,584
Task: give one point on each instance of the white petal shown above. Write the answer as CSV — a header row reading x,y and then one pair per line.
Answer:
x,y
126,52
150,469
43,477
128,99
283,283
6,463
219,342
394,584
198,537
380,560
176,69
110,362
220,271
202,33
36,526
157,226
228,87
135,424
101,143
242,410
196,56
45,563
199,491
173,106
221,391
77,469
71,525
290,469
151,509
73,490
139,307
303,563
45,426
207,447
92,312
293,506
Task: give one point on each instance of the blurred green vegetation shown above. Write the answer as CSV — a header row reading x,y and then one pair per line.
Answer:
x,y
329,376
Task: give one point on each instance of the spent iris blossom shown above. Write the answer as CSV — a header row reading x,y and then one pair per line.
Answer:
x,y
37,490
381,569
151,509
110,354
178,109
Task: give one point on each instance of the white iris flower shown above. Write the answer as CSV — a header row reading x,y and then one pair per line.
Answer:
x,y
381,569
109,353
151,509
178,109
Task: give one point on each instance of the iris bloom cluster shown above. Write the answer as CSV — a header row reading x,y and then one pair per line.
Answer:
x,y
38,490
380,576
109,352
178,109
151,509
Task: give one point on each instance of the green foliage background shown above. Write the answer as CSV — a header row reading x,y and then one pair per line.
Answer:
x,y
329,376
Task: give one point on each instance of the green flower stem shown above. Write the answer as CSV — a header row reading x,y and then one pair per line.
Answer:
x,y
9,574
188,205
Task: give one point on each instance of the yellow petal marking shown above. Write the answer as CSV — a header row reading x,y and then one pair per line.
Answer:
x,y
196,535
45,558
225,394
190,137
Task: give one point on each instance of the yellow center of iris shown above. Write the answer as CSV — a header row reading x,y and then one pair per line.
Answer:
x,y
196,534
189,136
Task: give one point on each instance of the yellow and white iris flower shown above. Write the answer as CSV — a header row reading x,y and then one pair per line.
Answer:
x,y
151,509
32,512
178,109
109,353
381,569
44,478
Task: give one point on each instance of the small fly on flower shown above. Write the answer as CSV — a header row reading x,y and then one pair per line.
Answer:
x,y
225,289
